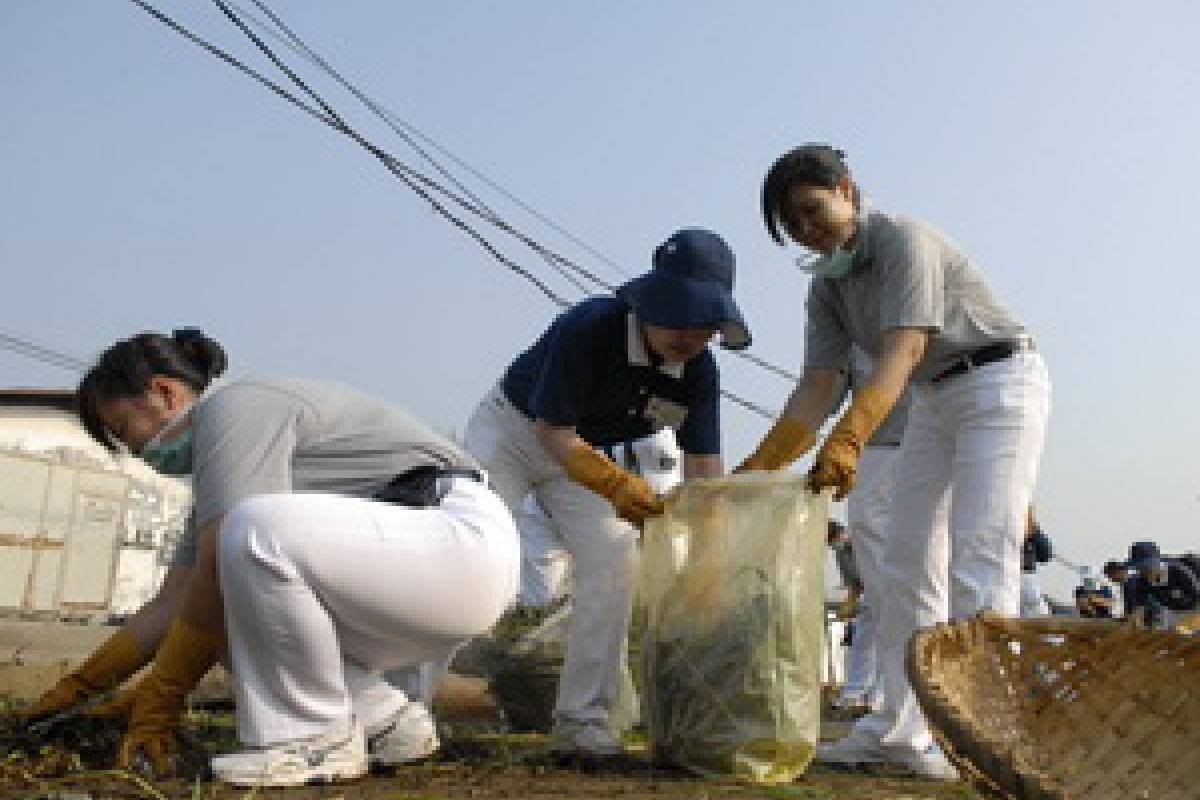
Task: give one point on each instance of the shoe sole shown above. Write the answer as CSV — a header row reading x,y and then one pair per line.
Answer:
x,y
326,775
375,760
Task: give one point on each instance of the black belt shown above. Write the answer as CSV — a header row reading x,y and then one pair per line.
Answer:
x,y
425,487
987,354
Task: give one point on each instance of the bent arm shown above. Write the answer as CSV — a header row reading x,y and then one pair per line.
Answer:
x,y
559,441
812,399
149,623
201,604
903,349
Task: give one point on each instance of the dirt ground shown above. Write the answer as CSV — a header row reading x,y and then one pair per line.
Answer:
x,y
73,763
477,760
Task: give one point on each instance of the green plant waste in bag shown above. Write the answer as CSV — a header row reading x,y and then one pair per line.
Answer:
x,y
733,586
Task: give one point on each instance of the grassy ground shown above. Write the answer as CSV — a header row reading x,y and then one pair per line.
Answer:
x,y
73,761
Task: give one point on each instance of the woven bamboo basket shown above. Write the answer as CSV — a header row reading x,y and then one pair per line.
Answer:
x,y
1063,708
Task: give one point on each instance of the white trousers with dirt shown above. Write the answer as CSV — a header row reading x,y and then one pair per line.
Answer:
x,y
324,592
603,551
970,457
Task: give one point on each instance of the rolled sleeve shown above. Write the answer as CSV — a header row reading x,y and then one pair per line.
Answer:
x,y
912,280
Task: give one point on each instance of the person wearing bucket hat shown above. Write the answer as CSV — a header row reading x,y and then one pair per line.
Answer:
x,y
608,371
918,305
1160,585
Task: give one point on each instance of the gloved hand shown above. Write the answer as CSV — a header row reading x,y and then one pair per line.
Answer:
x,y
184,656
119,705
848,608
630,495
112,662
787,440
837,460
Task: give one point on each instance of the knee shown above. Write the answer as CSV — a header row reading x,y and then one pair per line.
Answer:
x,y
611,545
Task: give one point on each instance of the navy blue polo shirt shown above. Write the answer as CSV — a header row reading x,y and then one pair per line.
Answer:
x,y
591,370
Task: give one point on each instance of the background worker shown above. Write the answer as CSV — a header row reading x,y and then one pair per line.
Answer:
x,y
607,371
1092,600
343,532
1118,575
1161,587
917,304
859,639
1035,549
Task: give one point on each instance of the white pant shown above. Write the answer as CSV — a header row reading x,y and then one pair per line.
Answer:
x,y
545,562
1032,602
603,551
971,450
323,592
868,509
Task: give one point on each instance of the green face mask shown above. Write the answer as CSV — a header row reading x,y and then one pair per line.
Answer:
x,y
837,264
172,456
840,262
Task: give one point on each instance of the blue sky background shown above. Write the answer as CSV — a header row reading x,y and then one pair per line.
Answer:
x,y
146,185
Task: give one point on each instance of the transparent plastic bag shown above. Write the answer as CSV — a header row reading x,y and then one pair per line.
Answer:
x,y
733,582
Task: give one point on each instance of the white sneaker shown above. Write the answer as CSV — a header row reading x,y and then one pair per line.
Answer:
x,y
930,763
850,751
408,735
586,739
336,756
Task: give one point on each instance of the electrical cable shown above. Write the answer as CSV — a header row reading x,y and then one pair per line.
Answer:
x,y
419,183
407,131
36,352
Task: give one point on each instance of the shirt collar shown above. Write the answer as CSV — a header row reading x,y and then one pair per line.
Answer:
x,y
636,350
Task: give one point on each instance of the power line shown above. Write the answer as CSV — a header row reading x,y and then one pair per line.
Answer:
x,y
44,355
407,131
419,183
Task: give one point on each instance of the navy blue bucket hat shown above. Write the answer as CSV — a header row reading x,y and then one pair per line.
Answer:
x,y
1143,555
690,286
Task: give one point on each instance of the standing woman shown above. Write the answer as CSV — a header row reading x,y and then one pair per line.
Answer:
x,y
608,371
920,307
347,536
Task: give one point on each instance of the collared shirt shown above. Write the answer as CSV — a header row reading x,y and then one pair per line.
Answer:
x,y
907,275
591,370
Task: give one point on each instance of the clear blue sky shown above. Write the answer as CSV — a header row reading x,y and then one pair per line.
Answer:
x,y
146,185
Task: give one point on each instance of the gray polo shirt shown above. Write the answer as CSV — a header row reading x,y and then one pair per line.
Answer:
x,y
279,435
907,274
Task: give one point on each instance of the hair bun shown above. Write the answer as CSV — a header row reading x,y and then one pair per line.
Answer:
x,y
186,336
204,353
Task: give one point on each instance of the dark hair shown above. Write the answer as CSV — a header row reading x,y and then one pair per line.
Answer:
x,y
125,369
813,164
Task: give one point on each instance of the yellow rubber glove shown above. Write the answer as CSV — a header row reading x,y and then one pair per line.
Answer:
x,y
848,608
837,460
184,656
112,662
119,705
787,440
631,496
